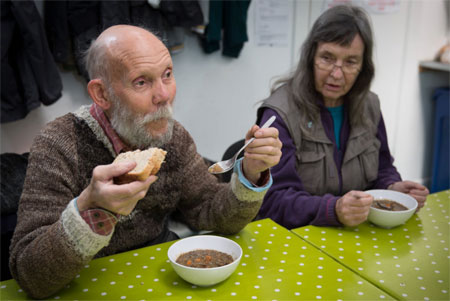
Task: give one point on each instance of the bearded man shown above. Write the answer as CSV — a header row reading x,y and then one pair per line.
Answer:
x,y
71,211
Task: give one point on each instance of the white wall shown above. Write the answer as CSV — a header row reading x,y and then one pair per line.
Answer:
x,y
217,96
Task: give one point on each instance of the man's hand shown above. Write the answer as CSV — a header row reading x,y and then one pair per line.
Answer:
x,y
353,208
416,190
103,193
263,153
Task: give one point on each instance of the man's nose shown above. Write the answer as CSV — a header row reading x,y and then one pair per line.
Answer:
x,y
161,92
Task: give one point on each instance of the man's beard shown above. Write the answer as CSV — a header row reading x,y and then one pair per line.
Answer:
x,y
133,128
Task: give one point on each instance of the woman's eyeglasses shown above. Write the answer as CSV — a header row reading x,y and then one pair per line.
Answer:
x,y
328,63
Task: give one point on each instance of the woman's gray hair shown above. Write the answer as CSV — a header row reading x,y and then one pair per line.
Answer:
x,y
339,24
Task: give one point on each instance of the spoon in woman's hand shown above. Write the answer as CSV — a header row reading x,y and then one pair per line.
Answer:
x,y
226,165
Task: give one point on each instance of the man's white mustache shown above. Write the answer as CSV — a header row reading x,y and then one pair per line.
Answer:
x,y
163,112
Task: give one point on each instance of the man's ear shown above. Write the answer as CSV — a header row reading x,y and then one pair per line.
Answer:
x,y
97,91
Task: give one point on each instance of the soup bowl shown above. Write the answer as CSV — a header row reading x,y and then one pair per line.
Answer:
x,y
390,219
204,276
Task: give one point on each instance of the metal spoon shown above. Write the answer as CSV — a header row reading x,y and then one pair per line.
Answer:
x,y
226,165
383,206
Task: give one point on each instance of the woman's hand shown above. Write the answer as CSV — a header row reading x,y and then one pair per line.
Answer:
x,y
416,190
353,207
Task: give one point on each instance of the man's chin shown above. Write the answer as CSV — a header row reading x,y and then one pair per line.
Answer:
x,y
159,123
161,132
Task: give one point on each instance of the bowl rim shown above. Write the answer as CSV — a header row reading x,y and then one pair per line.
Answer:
x,y
395,192
206,269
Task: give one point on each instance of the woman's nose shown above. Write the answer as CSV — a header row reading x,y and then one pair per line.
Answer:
x,y
337,71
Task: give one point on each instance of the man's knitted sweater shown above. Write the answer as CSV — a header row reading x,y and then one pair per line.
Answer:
x,y
52,242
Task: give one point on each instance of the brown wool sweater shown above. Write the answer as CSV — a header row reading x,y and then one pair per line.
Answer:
x,y
52,242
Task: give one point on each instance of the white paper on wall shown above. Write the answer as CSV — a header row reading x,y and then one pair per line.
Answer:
x,y
371,6
272,19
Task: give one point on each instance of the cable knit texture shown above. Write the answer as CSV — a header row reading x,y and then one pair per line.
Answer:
x,y
60,167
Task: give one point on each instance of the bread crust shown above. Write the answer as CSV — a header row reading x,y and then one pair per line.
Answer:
x,y
154,156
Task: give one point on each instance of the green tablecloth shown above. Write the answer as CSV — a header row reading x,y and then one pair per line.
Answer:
x,y
276,265
408,262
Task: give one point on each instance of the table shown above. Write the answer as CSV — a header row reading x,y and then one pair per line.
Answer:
x,y
277,265
408,262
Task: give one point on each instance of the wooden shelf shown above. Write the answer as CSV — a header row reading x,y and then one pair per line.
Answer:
x,y
433,66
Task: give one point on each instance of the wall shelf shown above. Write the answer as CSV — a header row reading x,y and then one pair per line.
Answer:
x,y
433,66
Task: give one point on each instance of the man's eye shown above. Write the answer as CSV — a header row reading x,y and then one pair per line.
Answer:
x,y
140,83
168,74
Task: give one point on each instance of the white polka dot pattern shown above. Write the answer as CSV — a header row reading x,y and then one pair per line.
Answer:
x,y
409,262
278,265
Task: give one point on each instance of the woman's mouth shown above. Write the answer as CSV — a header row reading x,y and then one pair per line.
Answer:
x,y
332,87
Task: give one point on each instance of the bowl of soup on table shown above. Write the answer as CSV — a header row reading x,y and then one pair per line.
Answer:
x,y
204,260
390,208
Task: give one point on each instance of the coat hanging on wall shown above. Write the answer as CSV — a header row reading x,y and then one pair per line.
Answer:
x,y
72,25
227,24
29,74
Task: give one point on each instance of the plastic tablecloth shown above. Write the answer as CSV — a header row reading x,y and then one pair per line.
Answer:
x,y
408,262
276,265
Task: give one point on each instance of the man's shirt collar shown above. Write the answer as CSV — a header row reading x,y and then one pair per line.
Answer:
x,y
99,115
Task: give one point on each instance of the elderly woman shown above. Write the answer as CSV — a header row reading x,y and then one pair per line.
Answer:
x,y
333,133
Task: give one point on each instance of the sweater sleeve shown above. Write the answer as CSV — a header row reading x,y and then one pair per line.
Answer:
x,y
207,204
286,202
387,173
51,242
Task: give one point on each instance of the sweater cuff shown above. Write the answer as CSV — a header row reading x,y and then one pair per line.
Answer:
x,y
332,218
267,177
86,242
245,192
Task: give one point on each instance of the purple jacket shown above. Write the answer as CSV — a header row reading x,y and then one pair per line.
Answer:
x,y
288,204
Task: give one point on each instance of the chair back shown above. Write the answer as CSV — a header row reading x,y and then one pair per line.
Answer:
x,y
230,152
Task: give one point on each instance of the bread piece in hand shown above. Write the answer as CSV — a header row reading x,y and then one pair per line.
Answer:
x,y
148,163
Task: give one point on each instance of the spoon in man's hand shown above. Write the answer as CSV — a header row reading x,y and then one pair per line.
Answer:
x,y
226,165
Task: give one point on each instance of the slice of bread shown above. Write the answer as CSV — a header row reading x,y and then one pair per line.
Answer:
x,y
148,163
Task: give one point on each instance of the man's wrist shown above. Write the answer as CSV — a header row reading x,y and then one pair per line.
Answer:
x,y
251,177
263,179
81,201
252,186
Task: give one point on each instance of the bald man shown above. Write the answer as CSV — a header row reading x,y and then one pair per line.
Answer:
x,y
71,211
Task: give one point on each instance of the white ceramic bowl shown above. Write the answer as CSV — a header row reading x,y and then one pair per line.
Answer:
x,y
204,276
389,219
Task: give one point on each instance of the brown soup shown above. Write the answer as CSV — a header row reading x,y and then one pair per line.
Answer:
x,y
204,259
385,204
215,168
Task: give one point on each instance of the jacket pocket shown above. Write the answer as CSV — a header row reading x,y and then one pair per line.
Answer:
x,y
369,161
312,170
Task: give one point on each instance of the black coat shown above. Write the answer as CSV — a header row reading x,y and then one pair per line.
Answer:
x,y
72,25
29,74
